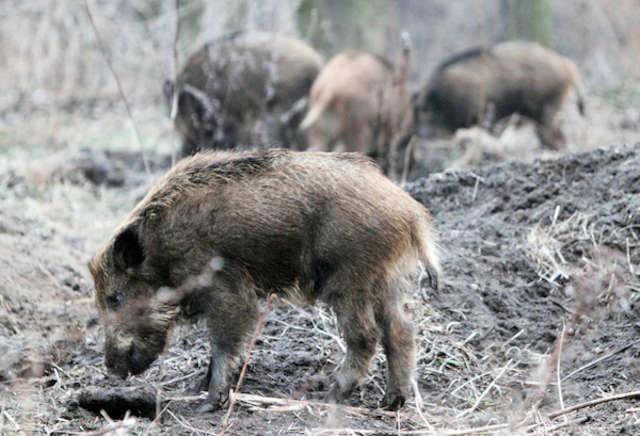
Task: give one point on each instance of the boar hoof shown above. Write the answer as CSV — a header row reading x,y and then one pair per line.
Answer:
x,y
215,401
340,392
393,401
201,386
218,398
207,407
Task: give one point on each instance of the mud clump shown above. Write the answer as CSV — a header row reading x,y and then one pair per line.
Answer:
x,y
117,402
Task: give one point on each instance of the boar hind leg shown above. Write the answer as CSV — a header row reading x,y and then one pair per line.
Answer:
x,y
357,323
231,312
549,130
399,346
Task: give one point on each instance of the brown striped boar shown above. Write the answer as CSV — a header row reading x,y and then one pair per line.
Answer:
x,y
359,103
493,83
242,90
325,226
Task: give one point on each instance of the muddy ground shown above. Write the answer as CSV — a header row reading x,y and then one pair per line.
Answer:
x,y
538,310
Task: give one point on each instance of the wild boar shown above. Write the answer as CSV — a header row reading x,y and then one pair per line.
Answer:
x,y
327,226
243,89
512,77
359,103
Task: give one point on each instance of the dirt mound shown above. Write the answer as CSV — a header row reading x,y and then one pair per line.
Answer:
x,y
542,265
529,248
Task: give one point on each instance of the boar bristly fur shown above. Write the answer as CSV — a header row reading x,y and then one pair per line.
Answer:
x,y
242,88
359,103
327,226
484,85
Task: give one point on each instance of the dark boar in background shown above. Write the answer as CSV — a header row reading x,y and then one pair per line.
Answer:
x,y
512,77
359,103
242,90
327,226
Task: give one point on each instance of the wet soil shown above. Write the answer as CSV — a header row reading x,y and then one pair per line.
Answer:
x,y
541,264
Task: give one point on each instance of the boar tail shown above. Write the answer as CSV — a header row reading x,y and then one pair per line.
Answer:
x,y
425,244
581,104
580,96
315,112
576,81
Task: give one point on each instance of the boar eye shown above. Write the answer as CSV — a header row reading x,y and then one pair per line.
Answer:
x,y
114,301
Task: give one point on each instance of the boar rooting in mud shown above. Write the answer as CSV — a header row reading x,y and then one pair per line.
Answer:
x,y
242,90
223,229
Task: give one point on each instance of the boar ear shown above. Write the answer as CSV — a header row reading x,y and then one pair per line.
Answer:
x,y
127,249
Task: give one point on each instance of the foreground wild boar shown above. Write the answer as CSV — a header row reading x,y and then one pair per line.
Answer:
x,y
241,89
359,102
512,77
327,226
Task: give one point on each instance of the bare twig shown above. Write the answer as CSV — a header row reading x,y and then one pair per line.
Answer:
x,y
579,420
486,391
112,426
10,418
183,377
600,359
474,430
420,404
625,396
273,404
187,398
151,427
188,426
629,263
559,381
103,50
158,387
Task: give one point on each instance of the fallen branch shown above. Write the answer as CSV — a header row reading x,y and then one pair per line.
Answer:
x,y
579,420
474,430
600,359
624,396
273,404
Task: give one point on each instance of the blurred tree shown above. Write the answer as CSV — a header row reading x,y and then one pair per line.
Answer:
x,y
332,26
236,16
529,20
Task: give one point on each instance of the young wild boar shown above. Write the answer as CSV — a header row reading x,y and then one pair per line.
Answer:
x,y
327,226
239,87
512,77
359,102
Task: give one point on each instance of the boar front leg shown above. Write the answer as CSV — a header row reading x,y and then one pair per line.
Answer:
x,y
231,311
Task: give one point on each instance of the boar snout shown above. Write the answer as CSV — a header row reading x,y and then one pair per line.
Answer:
x,y
124,356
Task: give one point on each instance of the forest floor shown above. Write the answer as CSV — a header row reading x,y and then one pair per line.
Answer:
x,y
537,312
